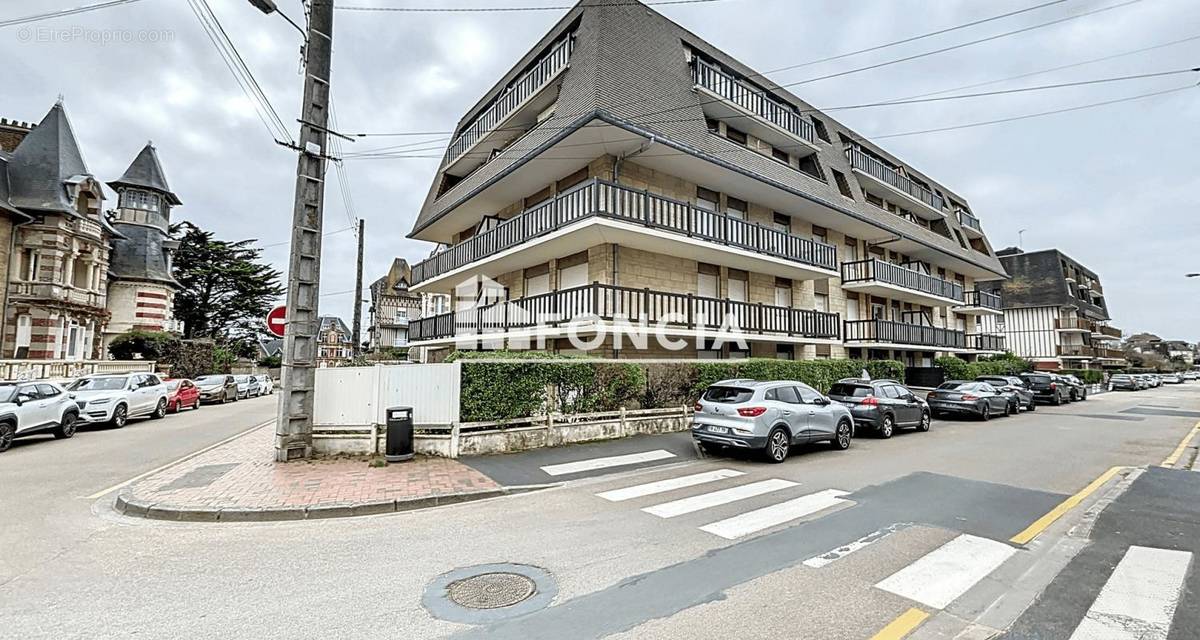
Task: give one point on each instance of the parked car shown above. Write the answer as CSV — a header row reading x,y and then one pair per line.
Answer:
x,y
266,385
1078,390
217,387
27,408
1012,385
1172,378
967,396
1045,388
1188,376
1144,380
181,393
882,405
1124,382
115,398
247,386
1154,380
768,417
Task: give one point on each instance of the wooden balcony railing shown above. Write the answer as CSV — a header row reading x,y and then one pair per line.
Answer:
x,y
752,99
875,168
1075,324
983,299
1112,354
605,199
887,331
516,94
985,342
1076,351
1112,332
876,270
624,304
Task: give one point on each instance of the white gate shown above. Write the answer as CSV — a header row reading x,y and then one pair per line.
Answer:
x,y
359,396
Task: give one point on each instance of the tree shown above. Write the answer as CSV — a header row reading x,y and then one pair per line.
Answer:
x,y
147,345
225,288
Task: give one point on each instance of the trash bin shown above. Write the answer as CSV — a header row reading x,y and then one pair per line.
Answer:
x,y
399,434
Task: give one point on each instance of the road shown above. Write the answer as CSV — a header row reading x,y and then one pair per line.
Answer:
x,y
830,544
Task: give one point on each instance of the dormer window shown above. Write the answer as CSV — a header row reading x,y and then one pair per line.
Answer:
x,y
144,200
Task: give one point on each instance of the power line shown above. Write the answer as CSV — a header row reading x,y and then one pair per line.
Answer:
x,y
285,242
514,9
343,174
49,15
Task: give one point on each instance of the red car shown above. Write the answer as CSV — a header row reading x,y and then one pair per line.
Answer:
x,y
182,393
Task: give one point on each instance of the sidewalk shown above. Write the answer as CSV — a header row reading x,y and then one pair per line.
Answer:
x,y
238,481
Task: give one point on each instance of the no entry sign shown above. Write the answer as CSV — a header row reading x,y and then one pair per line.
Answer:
x,y
277,320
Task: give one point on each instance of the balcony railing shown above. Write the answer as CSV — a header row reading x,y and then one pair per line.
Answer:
x,y
624,304
1074,324
58,293
516,94
985,342
752,99
612,201
1076,351
982,299
969,221
889,332
876,270
87,228
1112,332
1111,354
875,168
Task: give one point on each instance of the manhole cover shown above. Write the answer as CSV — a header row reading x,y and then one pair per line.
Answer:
x,y
491,590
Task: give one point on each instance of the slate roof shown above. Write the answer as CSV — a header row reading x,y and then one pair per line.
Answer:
x,y
6,206
1036,279
146,172
44,163
628,63
334,322
271,347
139,253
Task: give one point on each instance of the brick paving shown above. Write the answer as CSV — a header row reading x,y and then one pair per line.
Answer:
x,y
241,475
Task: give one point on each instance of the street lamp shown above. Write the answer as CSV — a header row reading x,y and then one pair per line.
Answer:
x,y
268,7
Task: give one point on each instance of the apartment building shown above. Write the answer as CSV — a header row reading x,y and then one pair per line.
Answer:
x,y
393,307
1055,313
627,172
335,343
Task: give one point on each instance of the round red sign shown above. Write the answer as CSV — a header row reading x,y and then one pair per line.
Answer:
x,y
277,320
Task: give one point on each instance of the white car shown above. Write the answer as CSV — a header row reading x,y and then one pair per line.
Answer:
x,y
35,407
265,384
114,399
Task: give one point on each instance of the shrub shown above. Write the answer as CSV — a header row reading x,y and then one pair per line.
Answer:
x,y
956,368
1088,376
147,345
1003,365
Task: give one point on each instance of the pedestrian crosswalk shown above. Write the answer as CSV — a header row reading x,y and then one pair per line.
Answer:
x,y
776,514
593,464
1140,597
717,498
942,575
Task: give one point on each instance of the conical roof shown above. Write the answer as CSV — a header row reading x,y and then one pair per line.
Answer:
x,y
42,165
146,172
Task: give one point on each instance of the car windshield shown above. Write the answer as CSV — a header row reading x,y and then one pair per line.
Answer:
x,y
172,384
851,390
210,380
728,395
98,384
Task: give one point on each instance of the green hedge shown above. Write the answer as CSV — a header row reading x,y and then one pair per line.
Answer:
x,y
503,385
1002,365
1089,376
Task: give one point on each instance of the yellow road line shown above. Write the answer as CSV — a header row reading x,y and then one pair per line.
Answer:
x,y
1040,525
1174,457
901,626
176,461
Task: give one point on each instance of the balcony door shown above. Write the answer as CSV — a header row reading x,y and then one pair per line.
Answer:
x,y
573,271
736,210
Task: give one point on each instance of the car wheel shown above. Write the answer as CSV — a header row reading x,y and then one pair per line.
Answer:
x,y
196,404
1084,396
887,426
160,411
1008,409
777,445
120,416
175,408
7,431
985,412
1057,400
1032,406
924,424
841,439
66,428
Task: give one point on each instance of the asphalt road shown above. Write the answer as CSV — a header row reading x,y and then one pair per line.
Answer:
x,y
830,544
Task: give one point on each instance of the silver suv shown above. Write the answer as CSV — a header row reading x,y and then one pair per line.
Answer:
x,y
768,417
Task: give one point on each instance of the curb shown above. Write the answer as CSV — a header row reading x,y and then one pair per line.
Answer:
x,y
129,505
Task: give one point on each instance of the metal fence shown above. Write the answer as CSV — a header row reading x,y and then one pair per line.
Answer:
x,y
874,269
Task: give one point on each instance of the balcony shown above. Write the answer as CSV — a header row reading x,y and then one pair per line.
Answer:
x,y
779,124
1076,351
597,212
86,228
876,277
979,303
1105,353
1105,332
886,333
985,342
969,223
888,181
53,292
1074,325
521,98
597,307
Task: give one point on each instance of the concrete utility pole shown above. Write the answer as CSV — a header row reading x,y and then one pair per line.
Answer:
x,y
358,294
293,429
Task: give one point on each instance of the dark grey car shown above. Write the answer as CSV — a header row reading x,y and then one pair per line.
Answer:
x,y
1015,386
979,399
882,405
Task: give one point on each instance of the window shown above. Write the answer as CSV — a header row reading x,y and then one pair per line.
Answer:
x,y
735,352
781,156
135,199
852,307
736,208
820,234
537,280
713,126
572,180
785,352
842,184
707,350
47,390
24,333
824,352
783,292
821,302
707,200
573,270
819,126
808,395
31,262
785,394
735,135
738,285
851,250
781,222
874,199
730,395
707,276
891,391
810,165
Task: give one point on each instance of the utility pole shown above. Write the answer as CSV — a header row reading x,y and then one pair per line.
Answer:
x,y
293,429
358,294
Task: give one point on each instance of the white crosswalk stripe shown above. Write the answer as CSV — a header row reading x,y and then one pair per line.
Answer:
x,y
827,558
942,575
776,514
1139,599
670,484
593,464
717,498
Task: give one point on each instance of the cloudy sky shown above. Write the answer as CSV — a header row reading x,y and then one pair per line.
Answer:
x,y
1116,187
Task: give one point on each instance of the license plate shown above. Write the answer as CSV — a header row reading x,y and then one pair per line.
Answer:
x,y
719,429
